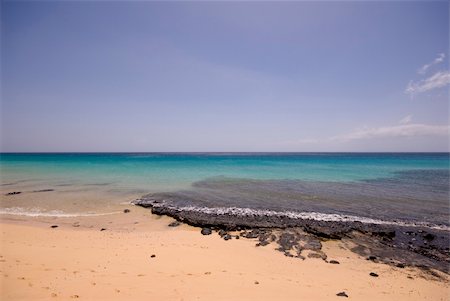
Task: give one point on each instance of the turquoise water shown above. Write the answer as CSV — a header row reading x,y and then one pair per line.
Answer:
x,y
172,171
391,186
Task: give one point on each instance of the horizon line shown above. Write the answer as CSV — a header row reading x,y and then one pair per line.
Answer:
x,y
228,152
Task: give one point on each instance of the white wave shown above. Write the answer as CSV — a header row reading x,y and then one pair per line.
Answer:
x,y
328,217
34,212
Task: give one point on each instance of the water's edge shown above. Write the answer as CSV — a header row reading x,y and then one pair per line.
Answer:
x,y
394,243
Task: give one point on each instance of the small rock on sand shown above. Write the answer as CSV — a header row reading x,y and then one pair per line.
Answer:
x,y
206,231
102,229
342,294
54,226
174,224
256,282
14,192
222,233
153,256
373,274
334,261
126,211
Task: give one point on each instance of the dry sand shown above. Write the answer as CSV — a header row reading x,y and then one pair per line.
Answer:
x,y
77,260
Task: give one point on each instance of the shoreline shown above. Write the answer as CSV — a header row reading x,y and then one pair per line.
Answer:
x,y
400,245
62,263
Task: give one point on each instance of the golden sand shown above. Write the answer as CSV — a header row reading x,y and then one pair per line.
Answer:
x,y
78,261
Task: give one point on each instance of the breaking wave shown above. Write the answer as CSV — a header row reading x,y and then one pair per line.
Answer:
x,y
34,212
327,217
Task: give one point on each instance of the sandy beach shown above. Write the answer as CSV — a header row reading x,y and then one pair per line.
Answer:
x,y
224,150
137,256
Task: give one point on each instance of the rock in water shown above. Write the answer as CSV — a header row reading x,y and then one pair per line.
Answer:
x,y
342,294
206,231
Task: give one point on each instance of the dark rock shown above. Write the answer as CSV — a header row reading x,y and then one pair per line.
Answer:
x,y
324,231
256,282
263,236
227,237
54,226
342,294
385,234
14,192
262,243
287,241
314,255
237,236
313,244
320,255
102,229
206,231
373,274
400,265
371,257
252,234
429,236
222,233
153,256
126,210
174,224
44,190
334,261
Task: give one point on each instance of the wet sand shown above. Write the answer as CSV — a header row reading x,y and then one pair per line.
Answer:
x,y
76,260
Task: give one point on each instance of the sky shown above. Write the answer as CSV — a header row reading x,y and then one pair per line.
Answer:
x,y
224,76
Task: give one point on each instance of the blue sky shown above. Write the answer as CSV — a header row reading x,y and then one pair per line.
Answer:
x,y
205,76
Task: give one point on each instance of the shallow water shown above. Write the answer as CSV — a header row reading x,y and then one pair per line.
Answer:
x,y
383,186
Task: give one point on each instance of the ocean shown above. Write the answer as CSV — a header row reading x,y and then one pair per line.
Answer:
x,y
410,188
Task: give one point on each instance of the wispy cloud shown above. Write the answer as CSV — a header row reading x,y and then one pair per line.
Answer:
x,y
437,60
406,119
403,130
437,80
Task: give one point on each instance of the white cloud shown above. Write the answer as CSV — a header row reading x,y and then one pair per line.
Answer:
x,y
438,80
404,130
406,119
439,59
